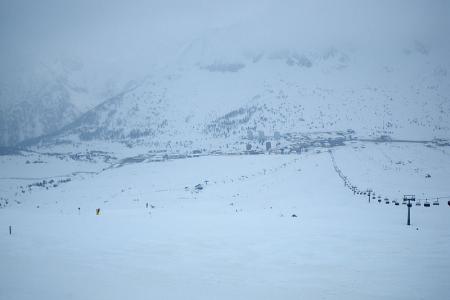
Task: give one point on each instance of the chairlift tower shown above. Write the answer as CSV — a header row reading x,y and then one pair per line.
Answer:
x,y
409,198
369,191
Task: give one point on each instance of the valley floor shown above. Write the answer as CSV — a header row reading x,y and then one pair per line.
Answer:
x,y
262,227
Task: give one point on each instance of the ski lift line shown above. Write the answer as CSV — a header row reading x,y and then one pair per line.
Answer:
x,y
433,198
354,188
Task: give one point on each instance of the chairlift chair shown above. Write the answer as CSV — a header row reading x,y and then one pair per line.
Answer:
x,y
418,203
436,202
426,204
386,200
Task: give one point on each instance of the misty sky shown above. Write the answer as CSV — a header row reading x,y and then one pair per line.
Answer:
x,y
139,33
133,25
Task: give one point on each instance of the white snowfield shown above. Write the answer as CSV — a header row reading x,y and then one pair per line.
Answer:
x,y
237,238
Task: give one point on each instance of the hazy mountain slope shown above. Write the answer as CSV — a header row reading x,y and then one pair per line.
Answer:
x,y
378,69
403,95
43,97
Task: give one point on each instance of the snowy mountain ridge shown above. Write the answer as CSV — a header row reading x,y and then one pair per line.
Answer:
x,y
220,103
212,96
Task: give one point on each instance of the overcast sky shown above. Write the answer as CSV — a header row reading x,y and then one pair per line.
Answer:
x,y
138,30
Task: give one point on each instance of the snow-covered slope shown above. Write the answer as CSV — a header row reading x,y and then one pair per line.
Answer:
x,y
265,227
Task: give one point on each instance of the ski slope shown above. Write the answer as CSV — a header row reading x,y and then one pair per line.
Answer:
x,y
237,237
